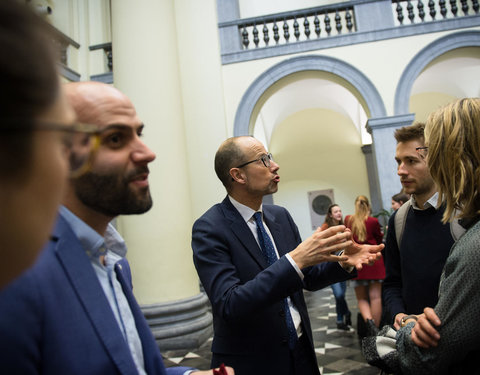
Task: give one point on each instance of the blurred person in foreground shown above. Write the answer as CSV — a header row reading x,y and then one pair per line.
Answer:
x,y
344,316
74,311
445,339
34,119
254,267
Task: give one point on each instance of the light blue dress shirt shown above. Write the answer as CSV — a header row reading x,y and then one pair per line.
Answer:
x,y
112,246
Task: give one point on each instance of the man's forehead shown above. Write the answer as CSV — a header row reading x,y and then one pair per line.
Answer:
x,y
101,104
409,146
252,145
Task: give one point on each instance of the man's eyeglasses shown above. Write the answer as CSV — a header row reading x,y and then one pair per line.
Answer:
x,y
266,158
422,151
81,141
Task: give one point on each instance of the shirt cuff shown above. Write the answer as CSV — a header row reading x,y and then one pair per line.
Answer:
x,y
294,265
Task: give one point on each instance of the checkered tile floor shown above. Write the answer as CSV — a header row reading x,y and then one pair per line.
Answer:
x,y
338,352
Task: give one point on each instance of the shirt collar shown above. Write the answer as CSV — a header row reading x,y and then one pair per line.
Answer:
x,y
245,211
94,244
431,202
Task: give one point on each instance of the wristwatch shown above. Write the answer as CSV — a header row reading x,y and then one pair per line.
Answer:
x,y
403,321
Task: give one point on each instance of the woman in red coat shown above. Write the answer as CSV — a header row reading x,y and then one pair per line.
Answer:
x,y
368,287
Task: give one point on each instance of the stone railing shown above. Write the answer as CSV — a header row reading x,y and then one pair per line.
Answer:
x,y
296,26
65,43
106,77
418,11
335,25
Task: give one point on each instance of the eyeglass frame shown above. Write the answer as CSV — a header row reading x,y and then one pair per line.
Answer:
x,y
265,158
78,127
422,148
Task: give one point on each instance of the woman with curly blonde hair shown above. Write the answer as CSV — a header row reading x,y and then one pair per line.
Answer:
x,y
446,339
368,287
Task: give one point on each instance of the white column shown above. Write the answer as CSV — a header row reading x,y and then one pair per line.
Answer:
x,y
145,68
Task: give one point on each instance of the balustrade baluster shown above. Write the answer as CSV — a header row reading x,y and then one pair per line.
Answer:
x,y
245,40
421,12
256,39
431,6
296,27
286,34
63,52
276,35
326,19
464,6
475,6
453,7
316,22
399,10
109,60
411,15
348,17
306,26
266,38
338,22
443,8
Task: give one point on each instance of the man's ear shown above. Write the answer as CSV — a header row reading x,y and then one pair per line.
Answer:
x,y
238,175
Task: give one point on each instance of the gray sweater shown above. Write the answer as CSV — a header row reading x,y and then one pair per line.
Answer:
x,y
458,307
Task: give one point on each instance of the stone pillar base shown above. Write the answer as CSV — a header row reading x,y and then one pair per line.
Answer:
x,y
183,324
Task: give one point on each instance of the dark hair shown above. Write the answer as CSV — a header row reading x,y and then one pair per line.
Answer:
x,y
411,133
227,157
329,219
400,197
28,81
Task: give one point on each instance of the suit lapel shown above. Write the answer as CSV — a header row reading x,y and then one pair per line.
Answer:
x,y
151,353
83,279
243,232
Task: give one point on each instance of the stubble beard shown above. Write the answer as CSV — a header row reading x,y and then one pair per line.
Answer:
x,y
111,194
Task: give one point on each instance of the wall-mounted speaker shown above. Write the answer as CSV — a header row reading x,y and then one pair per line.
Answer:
x,y
319,201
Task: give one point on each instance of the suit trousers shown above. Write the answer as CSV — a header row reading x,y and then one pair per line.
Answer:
x,y
302,362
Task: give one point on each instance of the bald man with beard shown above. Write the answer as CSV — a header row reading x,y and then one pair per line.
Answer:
x,y
74,311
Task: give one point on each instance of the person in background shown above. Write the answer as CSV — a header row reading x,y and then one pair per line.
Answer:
x,y
368,283
398,200
344,316
446,339
35,120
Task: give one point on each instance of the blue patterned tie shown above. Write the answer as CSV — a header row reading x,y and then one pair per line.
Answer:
x,y
268,250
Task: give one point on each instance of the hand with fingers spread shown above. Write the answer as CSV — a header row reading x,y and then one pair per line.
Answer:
x,y
359,255
424,334
322,246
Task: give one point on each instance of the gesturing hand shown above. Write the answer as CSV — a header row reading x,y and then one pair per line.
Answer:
x,y
321,246
358,255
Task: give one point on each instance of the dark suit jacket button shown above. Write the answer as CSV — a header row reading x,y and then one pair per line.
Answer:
x,y
281,313
285,341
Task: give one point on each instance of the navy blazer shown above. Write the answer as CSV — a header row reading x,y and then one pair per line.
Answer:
x,y
250,332
56,319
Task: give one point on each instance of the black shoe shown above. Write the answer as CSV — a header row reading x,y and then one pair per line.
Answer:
x,y
372,329
343,326
348,319
361,327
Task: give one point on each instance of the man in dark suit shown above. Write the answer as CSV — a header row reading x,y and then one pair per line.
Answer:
x,y
253,266
74,311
